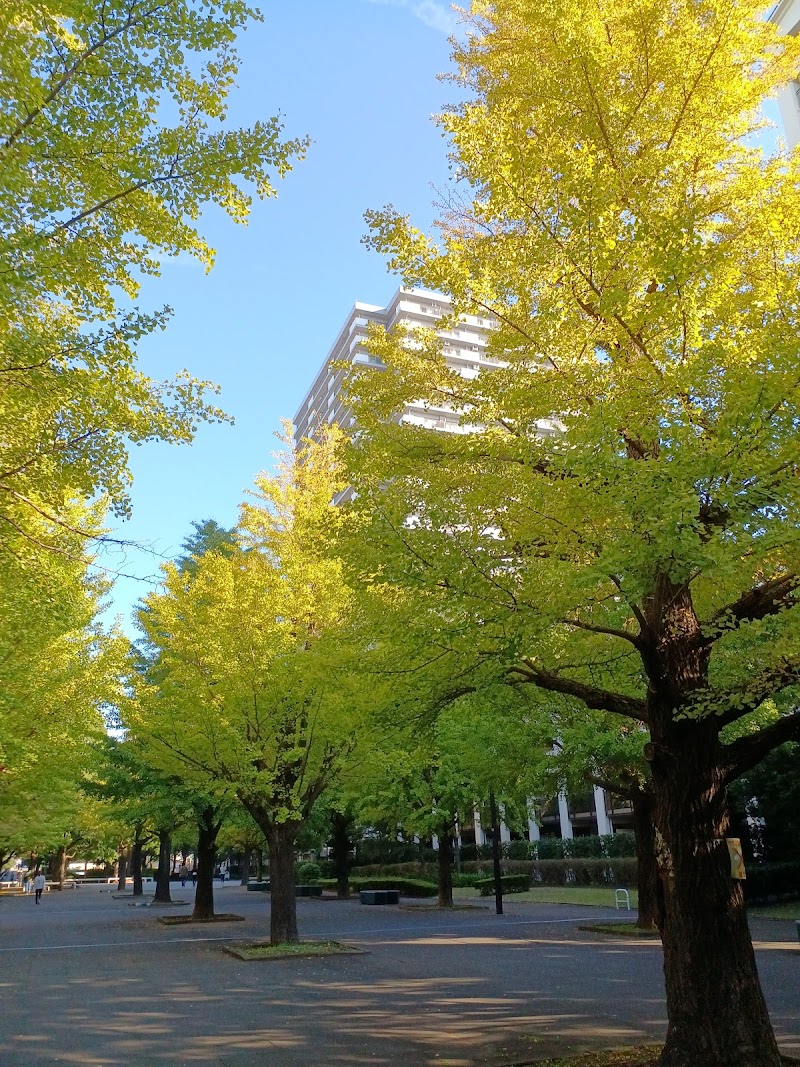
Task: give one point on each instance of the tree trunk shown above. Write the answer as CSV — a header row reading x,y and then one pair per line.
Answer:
x,y
260,864
122,864
342,845
136,866
444,869
246,858
58,866
206,858
162,895
715,1006
646,868
283,910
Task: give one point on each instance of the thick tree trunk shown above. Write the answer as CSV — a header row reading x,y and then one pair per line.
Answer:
x,y
246,858
715,1006
342,845
57,867
717,1016
136,866
444,868
122,870
283,910
646,867
260,864
206,858
162,895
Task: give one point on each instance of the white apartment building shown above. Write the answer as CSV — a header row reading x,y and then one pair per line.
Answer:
x,y
786,15
464,344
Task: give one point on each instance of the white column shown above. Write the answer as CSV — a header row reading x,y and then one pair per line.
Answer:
x,y
563,815
435,842
480,837
603,822
533,830
505,833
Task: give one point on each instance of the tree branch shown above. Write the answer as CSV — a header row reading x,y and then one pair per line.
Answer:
x,y
634,639
743,754
762,686
766,598
592,697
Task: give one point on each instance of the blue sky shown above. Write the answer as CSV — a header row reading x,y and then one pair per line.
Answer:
x,y
360,78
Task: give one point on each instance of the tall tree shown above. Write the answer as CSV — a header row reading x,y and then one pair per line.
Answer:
x,y
113,138
636,250
253,683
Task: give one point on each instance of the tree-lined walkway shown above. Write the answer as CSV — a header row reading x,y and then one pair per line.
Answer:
x,y
88,980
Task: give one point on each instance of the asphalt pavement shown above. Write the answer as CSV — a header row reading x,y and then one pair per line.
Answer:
x,y
86,979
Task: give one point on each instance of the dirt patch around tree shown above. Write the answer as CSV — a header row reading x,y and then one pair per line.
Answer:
x,y
641,1056
621,930
186,920
263,950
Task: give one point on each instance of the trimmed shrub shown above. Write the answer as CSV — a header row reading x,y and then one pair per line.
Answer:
x,y
518,850
581,872
510,883
466,881
769,882
588,847
550,848
309,874
468,853
382,850
417,869
619,844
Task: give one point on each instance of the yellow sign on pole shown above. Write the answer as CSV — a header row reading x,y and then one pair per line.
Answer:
x,y
737,859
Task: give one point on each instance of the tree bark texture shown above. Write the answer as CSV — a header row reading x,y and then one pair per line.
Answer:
x,y
342,844
57,867
136,866
245,868
207,830
122,870
283,909
162,895
715,1007
647,881
444,866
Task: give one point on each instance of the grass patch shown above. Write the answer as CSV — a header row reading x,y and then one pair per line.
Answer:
x,y
263,950
641,1056
184,920
621,930
591,896
788,910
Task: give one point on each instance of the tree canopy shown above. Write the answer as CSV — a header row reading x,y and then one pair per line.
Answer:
x,y
617,521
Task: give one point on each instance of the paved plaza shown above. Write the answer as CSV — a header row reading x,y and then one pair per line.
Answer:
x,y
88,980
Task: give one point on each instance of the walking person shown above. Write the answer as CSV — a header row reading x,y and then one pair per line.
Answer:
x,y
39,882
183,874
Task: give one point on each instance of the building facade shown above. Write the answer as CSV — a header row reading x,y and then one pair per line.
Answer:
x,y
465,347
786,15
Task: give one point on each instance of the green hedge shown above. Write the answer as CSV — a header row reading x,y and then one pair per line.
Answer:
x,y
769,882
417,869
590,846
510,883
408,887
577,872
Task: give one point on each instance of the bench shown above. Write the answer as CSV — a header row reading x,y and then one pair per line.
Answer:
x,y
308,890
380,896
258,887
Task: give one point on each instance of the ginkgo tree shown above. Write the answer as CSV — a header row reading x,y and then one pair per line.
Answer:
x,y
113,140
252,683
615,216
